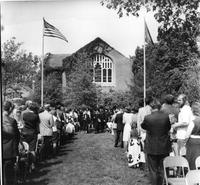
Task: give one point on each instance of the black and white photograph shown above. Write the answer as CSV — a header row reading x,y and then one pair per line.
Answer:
x,y
100,92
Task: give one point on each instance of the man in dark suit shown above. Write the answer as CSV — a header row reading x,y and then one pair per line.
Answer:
x,y
157,143
10,140
120,127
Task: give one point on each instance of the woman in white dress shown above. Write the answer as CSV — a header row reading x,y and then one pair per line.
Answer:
x,y
128,120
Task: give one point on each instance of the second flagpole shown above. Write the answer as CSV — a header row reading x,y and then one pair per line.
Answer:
x,y
144,70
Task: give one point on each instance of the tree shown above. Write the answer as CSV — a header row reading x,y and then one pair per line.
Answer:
x,y
164,74
18,66
114,99
80,87
172,63
52,88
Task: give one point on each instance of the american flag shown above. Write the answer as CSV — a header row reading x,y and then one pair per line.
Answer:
x,y
148,38
51,31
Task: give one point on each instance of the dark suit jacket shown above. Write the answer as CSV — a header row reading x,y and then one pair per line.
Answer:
x,y
157,140
31,123
10,137
119,121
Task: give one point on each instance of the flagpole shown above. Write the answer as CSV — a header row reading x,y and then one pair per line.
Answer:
x,y
42,68
144,72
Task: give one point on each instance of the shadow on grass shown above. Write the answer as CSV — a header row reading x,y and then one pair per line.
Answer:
x,y
40,175
67,139
63,152
40,182
37,177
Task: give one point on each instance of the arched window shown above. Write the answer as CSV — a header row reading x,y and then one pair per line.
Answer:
x,y
103,69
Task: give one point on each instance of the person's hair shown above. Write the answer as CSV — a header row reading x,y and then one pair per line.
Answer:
x,y
47,107
169,99
28,103
148,100
8,105
135,109
156,104
196,108
41,109
34,107
128,109
184,98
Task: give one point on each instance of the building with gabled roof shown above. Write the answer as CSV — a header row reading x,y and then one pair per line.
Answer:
x,y
111,69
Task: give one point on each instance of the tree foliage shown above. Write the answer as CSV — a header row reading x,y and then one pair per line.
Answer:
x,y
18,67
115,99
163,74
52,88
172,64
80,88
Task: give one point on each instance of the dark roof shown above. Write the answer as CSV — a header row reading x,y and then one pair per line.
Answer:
x,y
55,60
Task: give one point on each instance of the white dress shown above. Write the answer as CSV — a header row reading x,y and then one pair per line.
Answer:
x,y
128,119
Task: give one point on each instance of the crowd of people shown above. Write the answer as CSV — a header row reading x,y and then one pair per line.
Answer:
x,y
32,134
156,130
147,134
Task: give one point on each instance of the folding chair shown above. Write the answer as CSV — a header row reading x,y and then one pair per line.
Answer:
x,y
177,166
197,163
193,177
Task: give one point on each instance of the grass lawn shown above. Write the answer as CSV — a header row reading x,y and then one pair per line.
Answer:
x,y
88,159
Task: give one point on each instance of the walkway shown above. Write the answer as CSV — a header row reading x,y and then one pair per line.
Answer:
x,y
88,159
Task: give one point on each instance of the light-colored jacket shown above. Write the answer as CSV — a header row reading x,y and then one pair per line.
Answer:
x,y
143,111
46,123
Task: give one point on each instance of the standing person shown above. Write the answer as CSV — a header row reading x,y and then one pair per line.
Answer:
x,y
46,131
193,137
157,143
30,130
120,128
114,125
103,119
86,119
18,118
97,121
60,122
142,112
185,117
55,135
10,140
128,119
169,108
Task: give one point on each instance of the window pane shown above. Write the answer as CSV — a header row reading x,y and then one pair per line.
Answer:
x,y
104,75
98,73
109,75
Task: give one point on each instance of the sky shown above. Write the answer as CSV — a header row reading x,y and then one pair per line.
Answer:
x,y
81,21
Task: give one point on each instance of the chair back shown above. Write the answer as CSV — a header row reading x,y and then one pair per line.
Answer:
x,y
178,164
193,177
197,163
